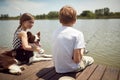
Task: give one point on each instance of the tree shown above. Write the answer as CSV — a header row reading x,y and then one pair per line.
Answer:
x,y
102,12
99,12
43,16
4,16
88,14
52,15
106,11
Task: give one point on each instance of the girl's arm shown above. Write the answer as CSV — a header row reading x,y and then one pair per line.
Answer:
x,y
77,55
23,36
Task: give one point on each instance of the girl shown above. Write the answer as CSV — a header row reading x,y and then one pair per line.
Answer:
x,y
20,41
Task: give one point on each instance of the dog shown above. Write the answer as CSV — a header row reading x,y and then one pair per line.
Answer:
x,y
9,63
34,40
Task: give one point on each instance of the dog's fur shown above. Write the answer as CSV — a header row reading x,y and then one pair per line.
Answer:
x,y
8,61
34,40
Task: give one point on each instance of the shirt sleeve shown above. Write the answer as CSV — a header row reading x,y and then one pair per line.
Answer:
x,y
79,42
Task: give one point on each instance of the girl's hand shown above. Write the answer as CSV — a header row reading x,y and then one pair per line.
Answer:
x,y
37,49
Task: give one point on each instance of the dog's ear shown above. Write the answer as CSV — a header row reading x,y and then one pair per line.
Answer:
x,y
29,34
31,37
38,34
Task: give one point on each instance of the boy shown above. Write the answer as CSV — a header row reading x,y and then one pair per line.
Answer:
x,y
68,44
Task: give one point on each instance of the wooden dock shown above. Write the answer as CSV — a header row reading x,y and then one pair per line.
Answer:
x,y
45,70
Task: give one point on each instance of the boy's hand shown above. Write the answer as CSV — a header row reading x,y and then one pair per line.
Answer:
x,y
77,55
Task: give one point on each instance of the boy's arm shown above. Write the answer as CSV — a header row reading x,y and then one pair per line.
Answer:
x,y
77,55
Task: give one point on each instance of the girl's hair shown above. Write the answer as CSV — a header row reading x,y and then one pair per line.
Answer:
x,y
67,14
25,17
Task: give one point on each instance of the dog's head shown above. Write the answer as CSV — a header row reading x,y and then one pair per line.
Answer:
x,y
33,38
11,53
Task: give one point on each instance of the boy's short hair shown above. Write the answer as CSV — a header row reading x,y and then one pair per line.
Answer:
x,y
67,15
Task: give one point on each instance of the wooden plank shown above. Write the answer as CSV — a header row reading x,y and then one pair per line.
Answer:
x,y
40,72
87,72
48,75
29,72
71,74
56,76
32,69
98,73
6,76
45,71
78,73
119,76
111,74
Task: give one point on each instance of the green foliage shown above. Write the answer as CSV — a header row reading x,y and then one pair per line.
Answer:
x,y
106,11
102,12
52,15
114,15
43,16
4,16
98,14
87,14
7,17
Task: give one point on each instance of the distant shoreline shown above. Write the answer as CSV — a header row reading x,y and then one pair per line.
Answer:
x,y
103,13
57,19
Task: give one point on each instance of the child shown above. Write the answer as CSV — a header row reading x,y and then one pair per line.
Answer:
x,y
20,41
68,44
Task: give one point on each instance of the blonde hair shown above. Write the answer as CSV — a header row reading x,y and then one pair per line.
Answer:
x,y
67,15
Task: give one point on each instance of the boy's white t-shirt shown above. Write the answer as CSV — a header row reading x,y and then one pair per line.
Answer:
x,y
65,40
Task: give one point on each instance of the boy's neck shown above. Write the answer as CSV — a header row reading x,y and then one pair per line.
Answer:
x,y
69,25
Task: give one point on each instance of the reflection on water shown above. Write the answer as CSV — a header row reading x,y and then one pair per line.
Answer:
x,y
102,37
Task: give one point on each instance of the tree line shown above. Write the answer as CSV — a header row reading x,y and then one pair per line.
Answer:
x,y
99,13
86,14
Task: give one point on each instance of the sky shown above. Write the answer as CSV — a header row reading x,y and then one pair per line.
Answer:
x,y
37,7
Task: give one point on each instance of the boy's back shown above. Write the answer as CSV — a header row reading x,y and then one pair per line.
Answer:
x,y
68,44
65,40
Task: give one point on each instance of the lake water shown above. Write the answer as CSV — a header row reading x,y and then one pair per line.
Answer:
x,y
101,35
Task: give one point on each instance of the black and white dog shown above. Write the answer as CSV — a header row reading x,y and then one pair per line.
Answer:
x,y
9,62
34,40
